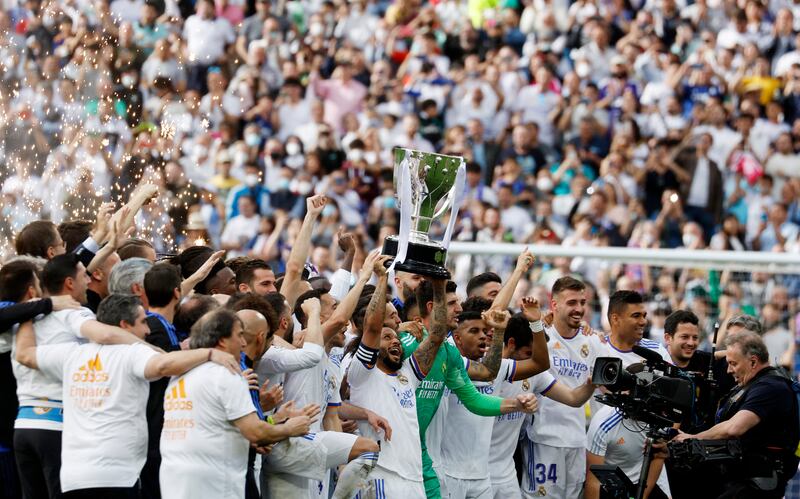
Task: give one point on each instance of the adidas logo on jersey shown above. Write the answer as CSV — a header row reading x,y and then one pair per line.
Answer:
x,y
557,345
91,372
176,400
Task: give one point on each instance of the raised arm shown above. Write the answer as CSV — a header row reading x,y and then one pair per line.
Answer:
x,y
141,196
540,358
376,310
300,249
486,369
503,298
193,280
311,307
341,316
426,353
115,239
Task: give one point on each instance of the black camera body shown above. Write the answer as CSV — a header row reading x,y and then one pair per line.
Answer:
x,y
656,393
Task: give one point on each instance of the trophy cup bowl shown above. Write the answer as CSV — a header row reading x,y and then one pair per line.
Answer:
x,y
432,180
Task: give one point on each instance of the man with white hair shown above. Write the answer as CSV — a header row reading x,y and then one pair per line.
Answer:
x,y
127,277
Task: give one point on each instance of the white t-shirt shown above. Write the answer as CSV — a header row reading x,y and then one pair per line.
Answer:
x,y
610,435
105,398
36,388
571,363
393,397
202,453
239,229
506,429
206,38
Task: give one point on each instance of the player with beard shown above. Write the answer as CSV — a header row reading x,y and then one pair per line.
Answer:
x,y
380,380
465,462
406,284
554,455
519,340
319,383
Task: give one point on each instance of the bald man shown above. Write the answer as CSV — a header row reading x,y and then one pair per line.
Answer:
x,y
257,335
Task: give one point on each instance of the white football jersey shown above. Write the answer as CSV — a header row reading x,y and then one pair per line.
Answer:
x,y
628,357
105,399
467,458
571,363
620,440
393,397
506,427
277,361
311,386
203,454
34,387
607,349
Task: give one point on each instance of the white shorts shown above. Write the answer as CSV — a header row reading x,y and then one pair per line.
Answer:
x,y
553,471
507,489
459,488
384,484
302,463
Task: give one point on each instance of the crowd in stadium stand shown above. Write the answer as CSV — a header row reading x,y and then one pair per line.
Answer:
x,y
170,129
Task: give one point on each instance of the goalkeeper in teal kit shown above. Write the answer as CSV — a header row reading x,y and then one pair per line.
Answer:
x,y
448,367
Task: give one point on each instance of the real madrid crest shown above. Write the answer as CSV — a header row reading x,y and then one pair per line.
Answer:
x,y
585,351
541,492
402,379
526,385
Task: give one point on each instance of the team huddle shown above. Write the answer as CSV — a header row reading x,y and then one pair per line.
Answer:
x,y
195,377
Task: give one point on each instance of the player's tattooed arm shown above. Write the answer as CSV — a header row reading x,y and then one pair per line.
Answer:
x,y
487,369
427,351
376,310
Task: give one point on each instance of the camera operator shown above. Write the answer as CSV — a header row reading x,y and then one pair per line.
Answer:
x,y
682,335
762,412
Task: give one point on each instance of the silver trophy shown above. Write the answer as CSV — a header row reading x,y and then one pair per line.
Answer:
x,y
426,188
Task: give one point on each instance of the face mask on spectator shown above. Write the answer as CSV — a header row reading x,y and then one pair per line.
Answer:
x,y
252,139
688,240
292,148
355,155
544,184
316,29
251,180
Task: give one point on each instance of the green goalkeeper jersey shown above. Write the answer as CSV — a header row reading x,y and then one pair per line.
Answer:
x,y
447,370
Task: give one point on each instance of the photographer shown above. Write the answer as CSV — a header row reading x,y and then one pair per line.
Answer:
x,y
762,412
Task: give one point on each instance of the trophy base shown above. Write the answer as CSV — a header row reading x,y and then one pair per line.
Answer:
x,y
421,258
